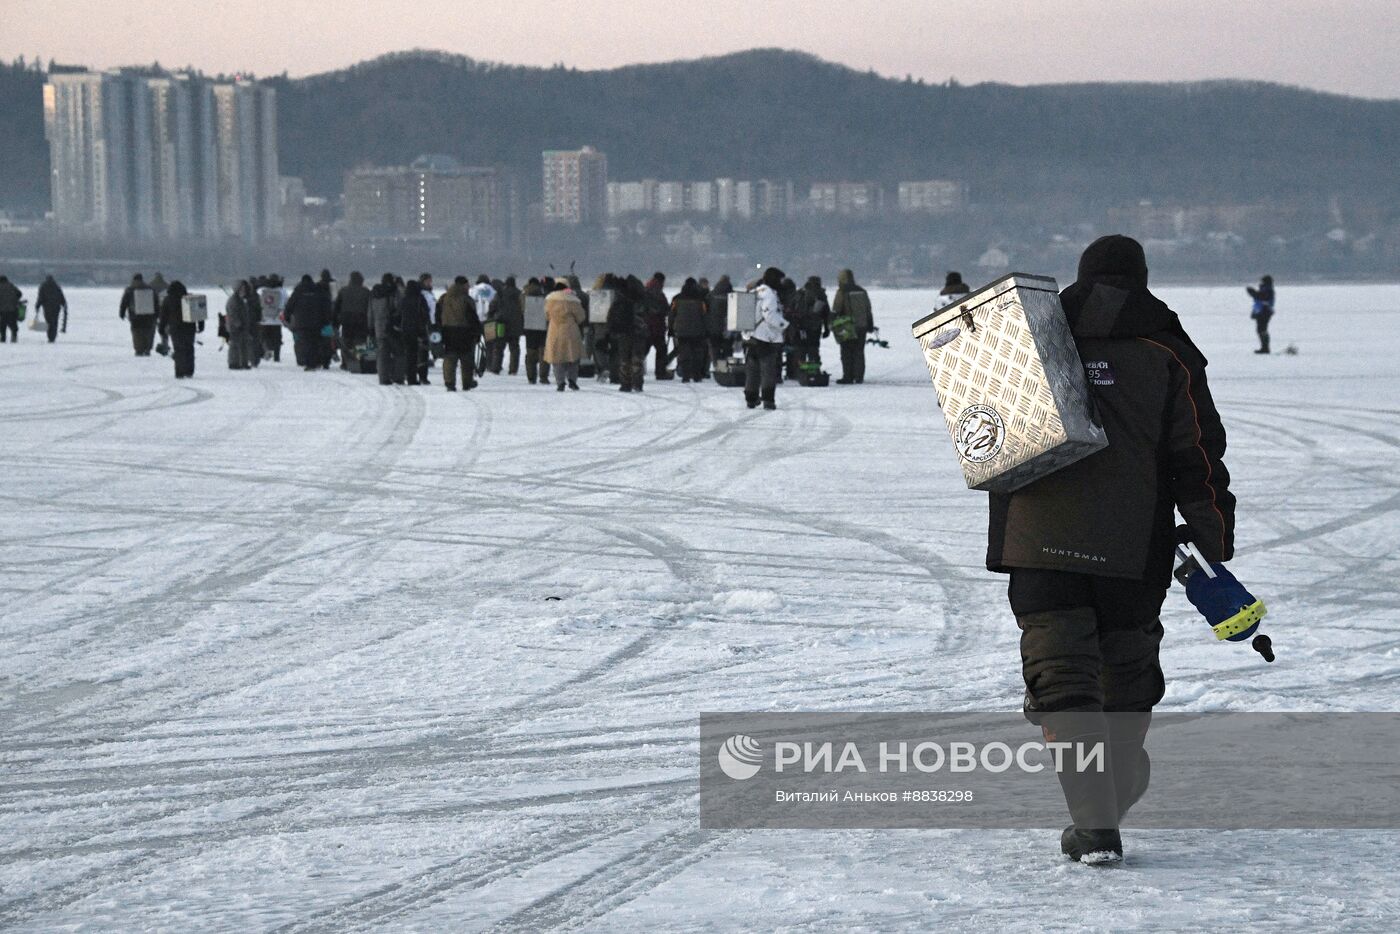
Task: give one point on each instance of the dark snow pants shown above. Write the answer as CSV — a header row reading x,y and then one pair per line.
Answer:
x,y
498,349
238,358
1088,643
853,360
690,357
761,365
143,334
182,349
390,363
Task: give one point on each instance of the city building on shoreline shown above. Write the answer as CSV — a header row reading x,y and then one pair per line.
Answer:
x,y
435,197
731,199
159,156
575,186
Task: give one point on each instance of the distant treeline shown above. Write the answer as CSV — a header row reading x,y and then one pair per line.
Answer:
x,y
787,115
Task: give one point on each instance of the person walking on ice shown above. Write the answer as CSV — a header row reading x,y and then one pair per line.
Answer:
x,y
1089,548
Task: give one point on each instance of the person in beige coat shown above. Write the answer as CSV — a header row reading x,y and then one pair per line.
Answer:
x,y
563,342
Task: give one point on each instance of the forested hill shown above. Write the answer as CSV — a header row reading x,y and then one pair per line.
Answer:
x,y
776,114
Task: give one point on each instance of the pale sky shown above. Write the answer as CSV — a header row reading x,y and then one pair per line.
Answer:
x,y
1348,46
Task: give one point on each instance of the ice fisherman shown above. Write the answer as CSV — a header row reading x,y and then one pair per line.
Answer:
x,y
1089,548
1263,310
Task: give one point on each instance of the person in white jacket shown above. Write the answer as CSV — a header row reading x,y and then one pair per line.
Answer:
x,y
764,345
482,293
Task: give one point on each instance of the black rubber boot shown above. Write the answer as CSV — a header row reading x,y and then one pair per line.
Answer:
x,y
1090,794
1095,847
1132,768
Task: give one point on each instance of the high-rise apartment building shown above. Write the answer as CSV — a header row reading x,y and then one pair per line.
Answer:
x,y
936,196
772,199
162,156
85,121
433,197
632,197
575,186
670,197
846,198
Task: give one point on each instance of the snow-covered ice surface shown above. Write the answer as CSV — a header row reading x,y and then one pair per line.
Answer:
x,y
278,652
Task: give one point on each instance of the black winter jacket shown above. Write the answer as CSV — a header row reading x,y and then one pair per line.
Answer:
x,y
51,297
1111,514
308,309
10,297
352,308
509,309
413,313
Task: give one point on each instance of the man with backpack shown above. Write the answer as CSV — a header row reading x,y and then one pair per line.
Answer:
x,y
1089,548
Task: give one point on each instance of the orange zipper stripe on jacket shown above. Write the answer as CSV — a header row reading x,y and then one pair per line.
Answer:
x,y
1196,421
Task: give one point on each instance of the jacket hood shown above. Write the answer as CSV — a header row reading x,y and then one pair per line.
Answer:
x,y
1115,255
1116,306
846,279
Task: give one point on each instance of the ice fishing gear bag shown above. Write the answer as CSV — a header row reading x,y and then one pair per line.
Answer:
x,y
843,328
729,371
143,303
1010,383
810,374
363,358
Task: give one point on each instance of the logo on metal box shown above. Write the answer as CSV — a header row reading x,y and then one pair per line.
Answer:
x,y
980,433
947,337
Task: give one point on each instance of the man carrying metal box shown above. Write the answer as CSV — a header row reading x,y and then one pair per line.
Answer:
x,y
138,308
1090,547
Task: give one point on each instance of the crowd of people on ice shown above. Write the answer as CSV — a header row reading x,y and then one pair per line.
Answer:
x,y
399,328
